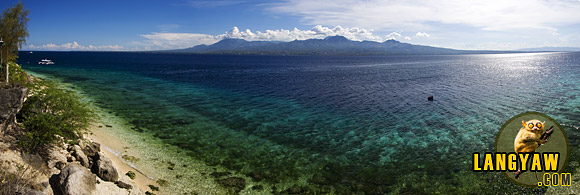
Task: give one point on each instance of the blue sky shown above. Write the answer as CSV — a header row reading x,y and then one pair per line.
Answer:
x,y
152,25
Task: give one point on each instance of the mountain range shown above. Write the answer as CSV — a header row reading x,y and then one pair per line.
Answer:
x,y
332,45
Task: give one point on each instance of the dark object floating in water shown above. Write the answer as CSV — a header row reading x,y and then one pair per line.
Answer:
x,y
430,98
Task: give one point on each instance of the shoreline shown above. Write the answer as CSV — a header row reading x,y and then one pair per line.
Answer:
x,y
153,161
110,149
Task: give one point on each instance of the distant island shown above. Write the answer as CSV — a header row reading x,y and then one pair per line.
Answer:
x,y
331,46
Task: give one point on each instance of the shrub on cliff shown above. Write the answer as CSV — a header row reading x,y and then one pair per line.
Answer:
x,y
51,111
18,77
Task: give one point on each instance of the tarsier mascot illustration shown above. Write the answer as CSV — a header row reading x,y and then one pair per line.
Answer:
x,y
530,137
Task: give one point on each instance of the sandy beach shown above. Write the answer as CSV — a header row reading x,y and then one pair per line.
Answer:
x,y
154,162
112,146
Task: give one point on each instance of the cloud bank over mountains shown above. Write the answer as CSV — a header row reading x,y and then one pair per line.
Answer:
x,y
183,40
169,40
317,32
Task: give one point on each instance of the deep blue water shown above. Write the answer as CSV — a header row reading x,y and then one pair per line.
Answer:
x,y
341,123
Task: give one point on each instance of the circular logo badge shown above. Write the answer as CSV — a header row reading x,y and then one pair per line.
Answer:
x,y
537,140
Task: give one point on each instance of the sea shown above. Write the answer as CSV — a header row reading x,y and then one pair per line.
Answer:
x,y
331,124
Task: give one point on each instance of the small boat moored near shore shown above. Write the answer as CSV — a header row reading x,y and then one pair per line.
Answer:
x,y
46,61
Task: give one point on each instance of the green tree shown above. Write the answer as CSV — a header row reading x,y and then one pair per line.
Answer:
x,y
14,31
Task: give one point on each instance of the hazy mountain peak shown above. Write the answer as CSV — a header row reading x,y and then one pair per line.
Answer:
x,y
392,41
231,40
336,38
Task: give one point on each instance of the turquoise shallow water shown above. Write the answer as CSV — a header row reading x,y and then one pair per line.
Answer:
x,y
330,124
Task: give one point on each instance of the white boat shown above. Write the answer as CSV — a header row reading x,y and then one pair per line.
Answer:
x,y
46,61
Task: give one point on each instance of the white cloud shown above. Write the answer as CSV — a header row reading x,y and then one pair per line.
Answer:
x,y
175,40
393,35
385,15
74,46
317,32
422,34
408,38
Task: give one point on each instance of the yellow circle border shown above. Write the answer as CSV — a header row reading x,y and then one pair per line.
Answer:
x,y
549,118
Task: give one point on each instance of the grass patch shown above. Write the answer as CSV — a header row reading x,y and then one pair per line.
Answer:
x,y
16,182
131,159
153,188
162,182
130,174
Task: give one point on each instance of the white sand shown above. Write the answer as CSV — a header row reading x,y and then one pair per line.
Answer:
x,y
110,149
188,175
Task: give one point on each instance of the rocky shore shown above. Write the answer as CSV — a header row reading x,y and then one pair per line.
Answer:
x,y
65,168
109,157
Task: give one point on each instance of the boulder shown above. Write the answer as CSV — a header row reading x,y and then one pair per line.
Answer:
x,y
92,148
76,179
124,185
113,188
40,189
103,167
54,156
80,156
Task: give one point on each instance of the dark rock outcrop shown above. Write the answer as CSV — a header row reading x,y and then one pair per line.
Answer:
x,y
124,185
80,156
220,174
92,148
11,101
76,179
237,184
295,190
103,167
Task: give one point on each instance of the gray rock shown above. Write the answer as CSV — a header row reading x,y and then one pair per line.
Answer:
x,y
60,165
92,148
10,103
55,155
124,185
40,189
76,179
103,167
80,156
70,158
34,192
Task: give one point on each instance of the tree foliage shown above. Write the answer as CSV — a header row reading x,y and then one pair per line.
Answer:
x,y
14,31
53,111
